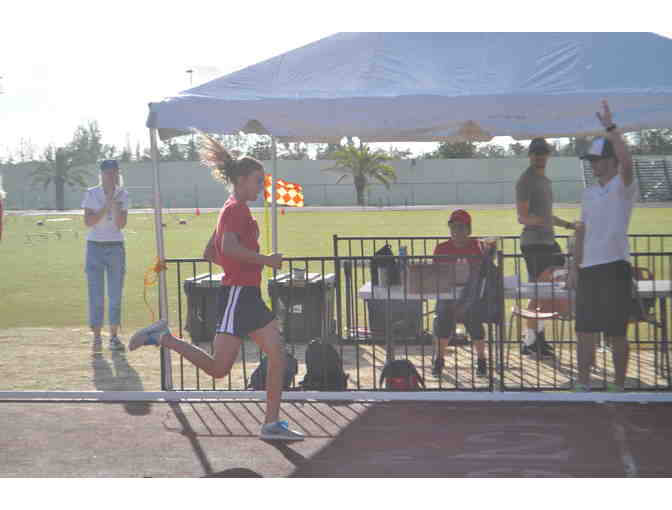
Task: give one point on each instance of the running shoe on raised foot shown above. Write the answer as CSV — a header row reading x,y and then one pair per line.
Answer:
x,y
149,335
279,431
482,367
116,344
614,388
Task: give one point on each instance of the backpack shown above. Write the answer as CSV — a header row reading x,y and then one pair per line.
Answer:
x,y
393,276
480,297
401,374
258,377
324,368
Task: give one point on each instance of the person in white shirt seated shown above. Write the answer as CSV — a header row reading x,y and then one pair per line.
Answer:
x,y
105,213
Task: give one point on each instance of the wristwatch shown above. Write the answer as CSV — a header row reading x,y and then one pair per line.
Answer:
x,y
611,127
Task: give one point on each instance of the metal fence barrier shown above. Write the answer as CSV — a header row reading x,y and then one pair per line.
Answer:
x,y
332,299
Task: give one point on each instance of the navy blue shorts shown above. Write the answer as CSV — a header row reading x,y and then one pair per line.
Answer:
x,y
241,311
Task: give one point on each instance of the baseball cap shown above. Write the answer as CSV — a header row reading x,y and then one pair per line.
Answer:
x,y
109,164
460,216
539,146
600,148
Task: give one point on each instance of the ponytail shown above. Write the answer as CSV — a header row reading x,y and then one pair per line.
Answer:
x,y
224,167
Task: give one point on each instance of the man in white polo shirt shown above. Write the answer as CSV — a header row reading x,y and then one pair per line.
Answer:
x,y
603,296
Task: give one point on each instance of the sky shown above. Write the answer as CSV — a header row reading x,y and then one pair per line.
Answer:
x,y
64,63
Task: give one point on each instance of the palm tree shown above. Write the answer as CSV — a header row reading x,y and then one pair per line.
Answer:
x,y
60,167
363,165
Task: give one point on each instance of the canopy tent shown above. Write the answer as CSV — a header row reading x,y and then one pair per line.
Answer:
x,y
386,87
435,86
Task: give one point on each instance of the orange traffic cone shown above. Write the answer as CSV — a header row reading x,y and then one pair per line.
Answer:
x,y
198,212
282,212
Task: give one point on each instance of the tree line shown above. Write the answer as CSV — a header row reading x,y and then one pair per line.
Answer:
x,y
73,163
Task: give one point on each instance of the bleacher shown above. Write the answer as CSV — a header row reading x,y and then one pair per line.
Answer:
x,y
653,178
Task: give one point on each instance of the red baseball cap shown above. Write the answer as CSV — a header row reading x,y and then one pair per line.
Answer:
x,y
460,216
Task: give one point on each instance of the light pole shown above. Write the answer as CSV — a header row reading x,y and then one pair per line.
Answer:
x,y
190,72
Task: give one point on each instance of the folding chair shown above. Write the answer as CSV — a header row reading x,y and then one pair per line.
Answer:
x,y
643,310
557,310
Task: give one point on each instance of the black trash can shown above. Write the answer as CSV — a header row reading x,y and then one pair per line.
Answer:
x,y
305,308
401,319
201,292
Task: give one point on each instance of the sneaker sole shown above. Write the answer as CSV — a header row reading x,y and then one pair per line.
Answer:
x,y
137,341
139,338
276,438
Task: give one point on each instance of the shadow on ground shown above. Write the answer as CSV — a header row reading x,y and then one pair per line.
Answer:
x,y
119,376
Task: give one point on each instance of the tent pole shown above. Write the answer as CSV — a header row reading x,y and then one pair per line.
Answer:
x,y
274,207
166,367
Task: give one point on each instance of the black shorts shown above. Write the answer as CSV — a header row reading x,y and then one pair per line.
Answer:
x,y
444,325
604,298
539,257
240,311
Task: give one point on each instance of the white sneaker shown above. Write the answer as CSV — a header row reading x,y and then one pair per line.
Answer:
x,y
116,344
280,431
149,335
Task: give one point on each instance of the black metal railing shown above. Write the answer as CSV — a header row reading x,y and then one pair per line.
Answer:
x,y
356,246
332,299
648,333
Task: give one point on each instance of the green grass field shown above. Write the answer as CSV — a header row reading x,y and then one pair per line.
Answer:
x,y
44,285
44,337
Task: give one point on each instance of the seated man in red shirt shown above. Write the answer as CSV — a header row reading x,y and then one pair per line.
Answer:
x,y
444,326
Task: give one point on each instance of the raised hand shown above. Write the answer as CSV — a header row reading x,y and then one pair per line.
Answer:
x,y
605,116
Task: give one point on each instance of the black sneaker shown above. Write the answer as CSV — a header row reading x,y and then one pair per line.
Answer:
x,y
437,366
458,340
528,350
546,349
539,350
482,368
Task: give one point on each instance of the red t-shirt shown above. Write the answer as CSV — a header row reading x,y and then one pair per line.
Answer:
x,y
473,247
235,217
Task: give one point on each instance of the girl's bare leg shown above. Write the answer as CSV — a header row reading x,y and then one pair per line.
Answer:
x,y
269,340
217,366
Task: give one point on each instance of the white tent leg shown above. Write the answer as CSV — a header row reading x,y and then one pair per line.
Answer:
x,y
274,207
167,382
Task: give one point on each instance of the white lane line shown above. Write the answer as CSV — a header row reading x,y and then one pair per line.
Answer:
x,y
618,428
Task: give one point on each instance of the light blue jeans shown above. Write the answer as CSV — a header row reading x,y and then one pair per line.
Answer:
x,y
102,258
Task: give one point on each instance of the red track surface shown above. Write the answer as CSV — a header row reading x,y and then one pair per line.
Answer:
x,y
352,440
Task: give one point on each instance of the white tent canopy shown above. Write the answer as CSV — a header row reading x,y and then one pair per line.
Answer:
x,y
385,87
435,86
